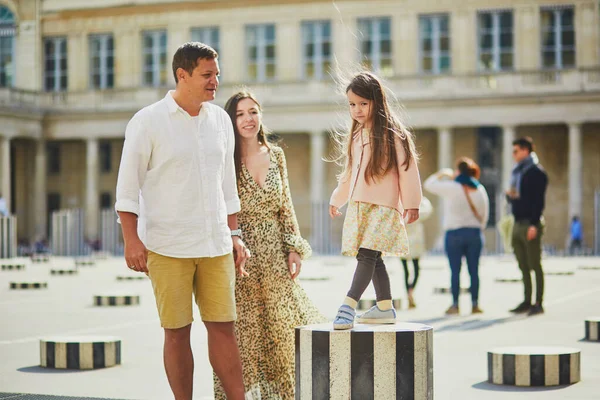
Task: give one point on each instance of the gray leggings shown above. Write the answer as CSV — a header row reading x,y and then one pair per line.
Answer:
x,y
370,267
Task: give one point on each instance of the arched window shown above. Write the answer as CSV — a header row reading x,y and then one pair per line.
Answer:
x,y
7,47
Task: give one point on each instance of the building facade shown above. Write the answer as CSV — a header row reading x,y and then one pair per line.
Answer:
x,y
471,76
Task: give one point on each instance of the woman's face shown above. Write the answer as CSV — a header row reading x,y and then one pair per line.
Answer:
x,y
248,118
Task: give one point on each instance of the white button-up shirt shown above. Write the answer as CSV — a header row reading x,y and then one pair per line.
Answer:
x,y
177,174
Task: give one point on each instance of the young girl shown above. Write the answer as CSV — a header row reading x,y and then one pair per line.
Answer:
x,y
382,185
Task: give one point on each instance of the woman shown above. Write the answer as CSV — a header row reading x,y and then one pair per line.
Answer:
x,y
466,212
416,248
270,303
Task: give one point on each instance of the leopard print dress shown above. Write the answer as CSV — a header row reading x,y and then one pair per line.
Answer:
x,y
269,303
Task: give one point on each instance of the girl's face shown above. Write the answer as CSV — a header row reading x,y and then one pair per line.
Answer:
x,y
248,118
360,109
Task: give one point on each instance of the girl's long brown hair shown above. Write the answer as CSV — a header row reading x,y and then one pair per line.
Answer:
x,y
231,109
385,126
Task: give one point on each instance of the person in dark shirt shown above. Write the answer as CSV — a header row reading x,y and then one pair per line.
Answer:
x,y
527,196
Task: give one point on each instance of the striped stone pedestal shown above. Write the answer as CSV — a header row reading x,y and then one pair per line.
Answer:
x,y
85,352
366,363
534,366
592,329
314,278
64,272
141,277
85,262
13,267
559,273
590,267
446,290
365,304
509,280
116,300
28,285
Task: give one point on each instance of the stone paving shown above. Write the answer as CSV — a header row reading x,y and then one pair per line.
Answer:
x,y
65,308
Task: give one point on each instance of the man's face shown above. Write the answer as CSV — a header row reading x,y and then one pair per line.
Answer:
x,y
519,153
202,84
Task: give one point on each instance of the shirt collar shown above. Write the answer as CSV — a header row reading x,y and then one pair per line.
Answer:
x,y
173,107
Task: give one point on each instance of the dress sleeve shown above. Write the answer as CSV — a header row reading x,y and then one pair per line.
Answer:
x,y
292,238
409,179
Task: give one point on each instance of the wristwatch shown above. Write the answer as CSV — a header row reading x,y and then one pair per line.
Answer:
x,y
236,232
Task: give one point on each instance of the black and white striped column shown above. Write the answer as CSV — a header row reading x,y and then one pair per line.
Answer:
x,y
64,271
446,289
559,273
534,366
365,304
13,267
80,352
590,267
592,329
140,277
367,362
116,300
85,262
28,285
40,258
509,280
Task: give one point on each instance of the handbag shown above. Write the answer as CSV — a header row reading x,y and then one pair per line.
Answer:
x,y
477,216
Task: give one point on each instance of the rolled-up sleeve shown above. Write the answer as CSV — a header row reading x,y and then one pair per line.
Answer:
x,y
133,167
230,193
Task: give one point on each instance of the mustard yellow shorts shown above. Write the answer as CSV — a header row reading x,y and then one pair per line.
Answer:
x,y
210,279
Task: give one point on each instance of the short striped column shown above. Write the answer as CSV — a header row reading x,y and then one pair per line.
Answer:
x,y
590,267
559,273
534,366
28,285
365,363
592,329
86,352
509,279
40,258
141,277
85,262
103,301
365,304
446,290
64,271
13,267
319,278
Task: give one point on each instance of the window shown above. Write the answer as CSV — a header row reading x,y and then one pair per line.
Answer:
x,y
105,201
375,36
260,45
55,66
558,37
53,159
154,53
316,49
434,37
495,35
207,35
105,157
102,61
7,47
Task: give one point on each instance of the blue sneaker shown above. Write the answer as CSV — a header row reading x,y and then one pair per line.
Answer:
x,y
344,318
376,316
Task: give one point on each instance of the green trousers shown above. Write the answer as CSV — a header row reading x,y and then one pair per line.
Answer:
x,y
529,257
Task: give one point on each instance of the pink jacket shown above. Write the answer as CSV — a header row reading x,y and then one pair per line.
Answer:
x,y
399,189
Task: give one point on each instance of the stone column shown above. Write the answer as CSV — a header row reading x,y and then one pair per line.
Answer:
x,y
444,161
575,170
40,200
77,65
5,172
508,136
318,198
587,41
91,199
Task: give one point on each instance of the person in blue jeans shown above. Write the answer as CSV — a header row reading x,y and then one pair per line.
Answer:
x,y
465,215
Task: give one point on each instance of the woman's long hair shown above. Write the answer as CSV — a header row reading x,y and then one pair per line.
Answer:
x,y
263,134
385,126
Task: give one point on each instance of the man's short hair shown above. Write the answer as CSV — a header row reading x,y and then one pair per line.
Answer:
x,y
524,143
187,55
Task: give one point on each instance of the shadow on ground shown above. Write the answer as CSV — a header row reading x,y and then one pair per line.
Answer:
x,y
36,369
485,385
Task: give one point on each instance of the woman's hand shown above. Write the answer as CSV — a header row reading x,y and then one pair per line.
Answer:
x,y
411,215
294,264
334,211
241,254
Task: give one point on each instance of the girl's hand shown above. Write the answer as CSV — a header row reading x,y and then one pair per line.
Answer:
x,y
334,211
294,264
411,215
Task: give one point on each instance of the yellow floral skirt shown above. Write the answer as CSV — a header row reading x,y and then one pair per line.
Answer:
x,y
374,227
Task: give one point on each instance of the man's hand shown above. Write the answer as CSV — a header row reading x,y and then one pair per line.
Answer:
x,y
136,255
240,254
413,215
294,264
532,233
334,211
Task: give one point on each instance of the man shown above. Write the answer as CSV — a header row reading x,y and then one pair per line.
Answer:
x,y
177,188
527,196
576,236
